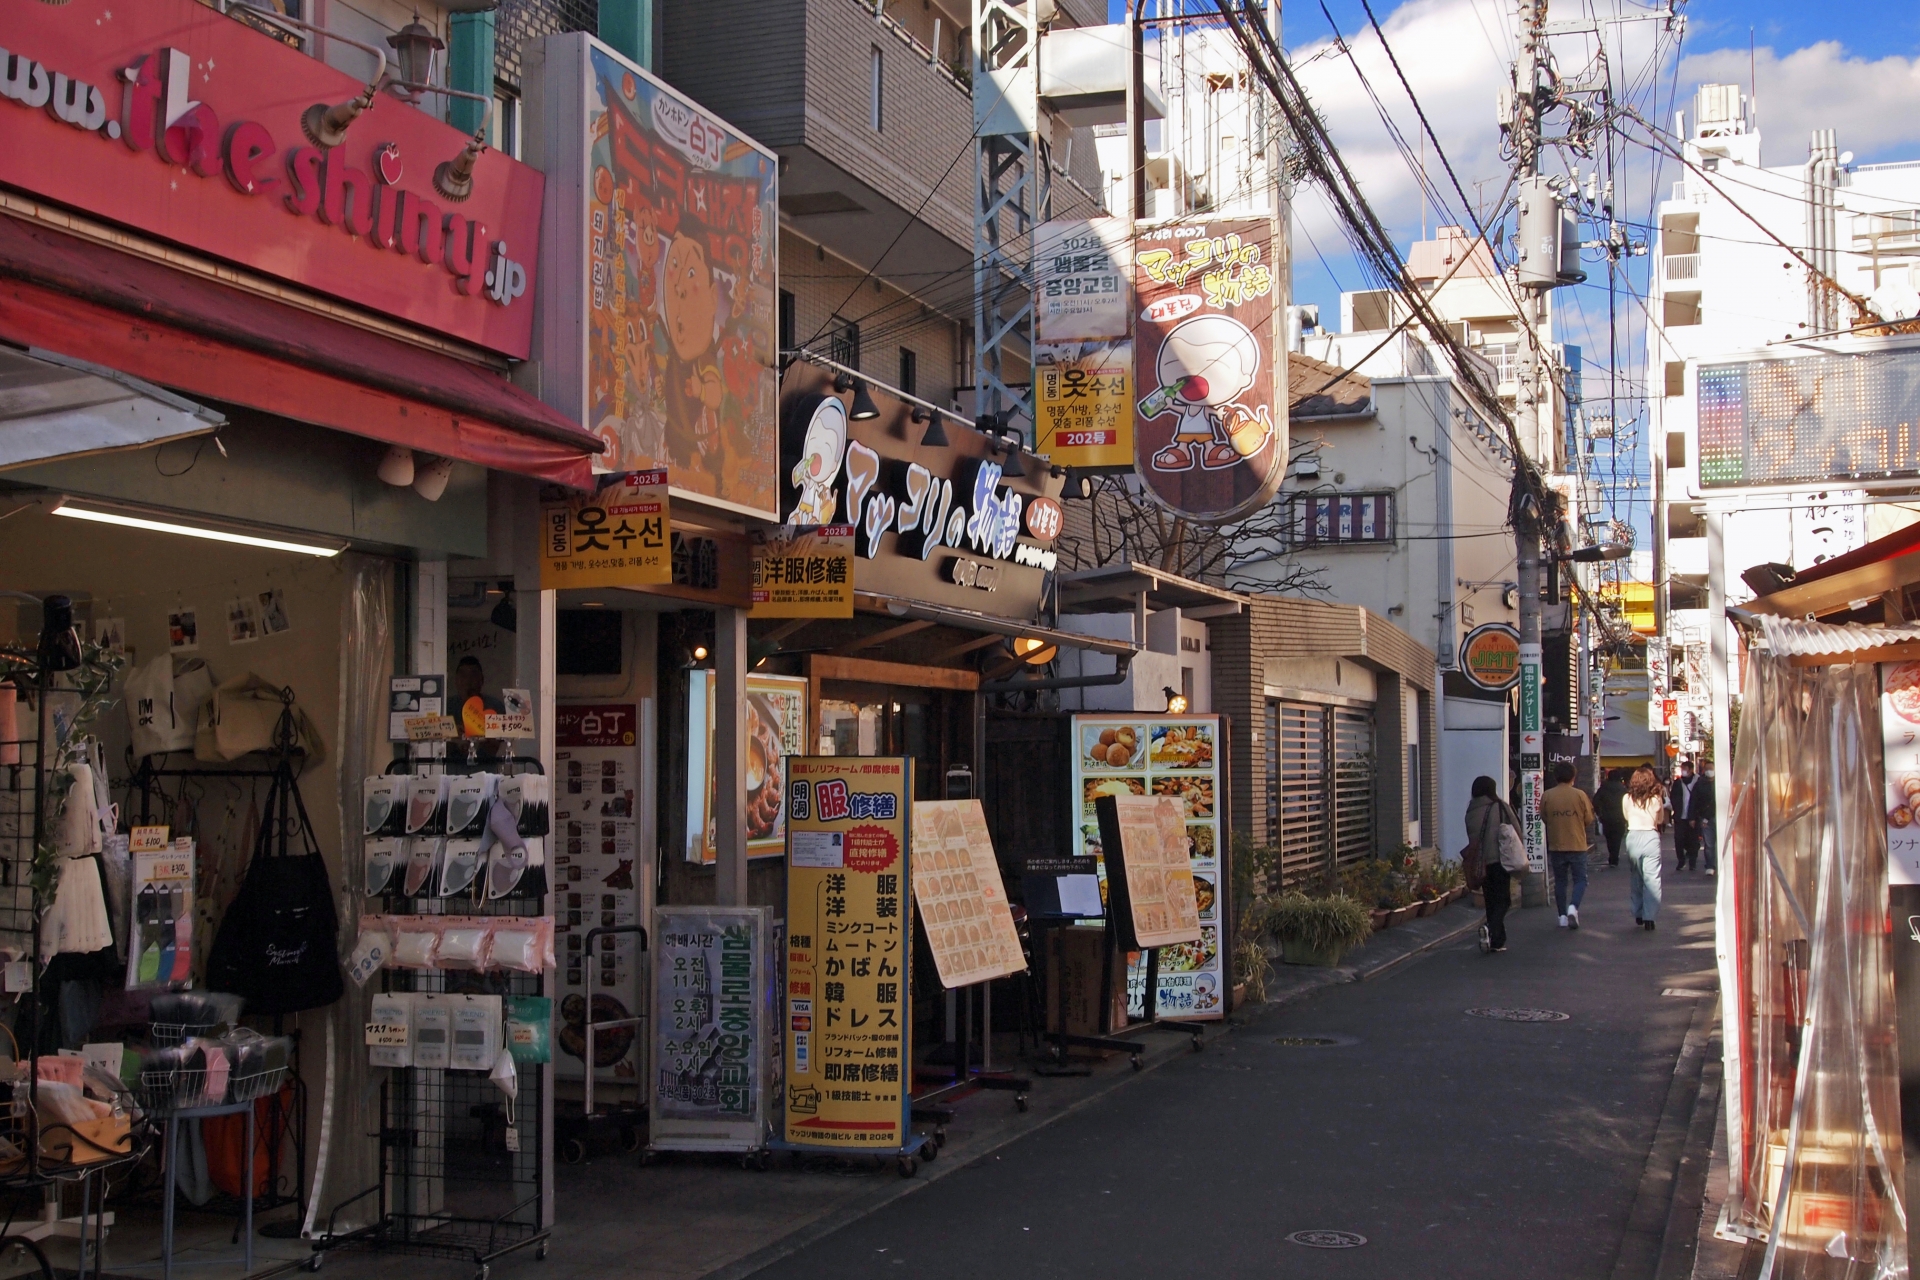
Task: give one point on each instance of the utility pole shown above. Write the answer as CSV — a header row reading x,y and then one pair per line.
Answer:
x,y
1528,517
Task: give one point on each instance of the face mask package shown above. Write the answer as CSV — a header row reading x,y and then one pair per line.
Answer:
x,y
427,805
390,1030
424,855
476,1032
516,840
385,799
385,855
521,944
432,1030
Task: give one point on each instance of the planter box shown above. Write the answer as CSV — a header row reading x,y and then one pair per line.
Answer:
x,y
1428,906
1458,892
1381,919
1403,914
1296,953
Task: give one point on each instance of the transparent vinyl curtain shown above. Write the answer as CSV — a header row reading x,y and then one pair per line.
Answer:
x,y
1816,1166
346,1161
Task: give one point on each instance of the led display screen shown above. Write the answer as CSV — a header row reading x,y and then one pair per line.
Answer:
x,y
1814,419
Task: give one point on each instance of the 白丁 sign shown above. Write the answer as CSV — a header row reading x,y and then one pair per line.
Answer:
x,y
171,118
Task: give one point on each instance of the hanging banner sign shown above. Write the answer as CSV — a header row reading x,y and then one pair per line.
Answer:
x,y
1080,286
1084,396
1209,380
1656,667
849,952
617,536
1532,758
713,984
803,571
1490,656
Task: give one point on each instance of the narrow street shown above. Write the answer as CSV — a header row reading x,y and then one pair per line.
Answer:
x,y
1457,1145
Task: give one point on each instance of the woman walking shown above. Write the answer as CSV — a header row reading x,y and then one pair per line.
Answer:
x,y
1486,815
1645,808
1613,822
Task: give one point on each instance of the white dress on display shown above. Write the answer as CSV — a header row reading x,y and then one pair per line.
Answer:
x,y
77,921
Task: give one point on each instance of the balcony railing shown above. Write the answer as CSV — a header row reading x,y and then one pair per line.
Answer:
x,y
1680,266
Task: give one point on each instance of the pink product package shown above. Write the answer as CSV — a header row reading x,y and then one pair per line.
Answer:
x,y
520,943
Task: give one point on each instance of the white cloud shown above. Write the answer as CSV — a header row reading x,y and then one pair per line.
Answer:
x,y
1869,102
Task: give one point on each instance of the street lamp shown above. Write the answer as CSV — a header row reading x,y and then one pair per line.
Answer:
x,y
415,45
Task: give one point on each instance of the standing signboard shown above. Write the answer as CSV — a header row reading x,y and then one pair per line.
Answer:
x,y
1209,379
1533,749
776,729
962,901
660,325
595,885
713,1001
1181,758
849,1061
1154,896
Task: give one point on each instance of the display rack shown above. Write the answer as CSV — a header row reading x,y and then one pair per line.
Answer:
x,y
453,1185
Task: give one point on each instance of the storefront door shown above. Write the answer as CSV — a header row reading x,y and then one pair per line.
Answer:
x,y
933,726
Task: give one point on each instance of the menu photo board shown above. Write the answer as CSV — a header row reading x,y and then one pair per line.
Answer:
x,y
1181,758
1145,838
713,1017
962,900
1900,752
849,1061
596,884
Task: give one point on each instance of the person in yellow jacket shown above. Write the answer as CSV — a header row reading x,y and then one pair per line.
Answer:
x,y
1568,815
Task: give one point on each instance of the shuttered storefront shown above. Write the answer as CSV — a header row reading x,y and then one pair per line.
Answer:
x,y
1320,767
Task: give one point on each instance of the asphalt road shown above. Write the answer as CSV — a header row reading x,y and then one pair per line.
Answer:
x,y
1457,1145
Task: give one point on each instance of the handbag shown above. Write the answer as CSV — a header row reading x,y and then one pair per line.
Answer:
x,y
1513,850
163,706
243,716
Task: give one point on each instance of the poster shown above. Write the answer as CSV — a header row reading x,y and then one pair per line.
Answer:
x,y
803,571
160,950
183,630
413,698
594,885
617,536
1209,386
1163,908
1900,742
776,729
1084,394
1080,286
713,986
1180,757
849,952
683,229
962,901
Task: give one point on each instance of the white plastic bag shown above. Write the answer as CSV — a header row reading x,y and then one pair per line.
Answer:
x,y
163,708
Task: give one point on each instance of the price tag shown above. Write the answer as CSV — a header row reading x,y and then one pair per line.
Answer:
x,y
368,956
501,724
148,839
521,1034
387,1035
513,1138
18,977
431,728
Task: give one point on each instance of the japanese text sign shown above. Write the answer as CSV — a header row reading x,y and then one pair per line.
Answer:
x,y
803,571
170,117
849,950
962,902
1147,837
617,536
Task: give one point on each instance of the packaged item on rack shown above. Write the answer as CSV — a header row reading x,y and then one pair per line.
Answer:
x,y
160,939
529,1028
476,1032
219,1069
370,952
385,803
464,945
416,941
523,944
424,856
459,865
516,841
390,1030
384,855
432,1030
467,798
427,805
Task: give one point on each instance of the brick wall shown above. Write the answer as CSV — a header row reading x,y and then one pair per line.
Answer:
x,y
824,286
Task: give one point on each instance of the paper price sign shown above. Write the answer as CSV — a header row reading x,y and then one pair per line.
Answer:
x,y
148,839
387,1035
618,536
431,728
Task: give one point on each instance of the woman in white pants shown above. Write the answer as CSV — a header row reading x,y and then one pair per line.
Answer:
x,y
1646,812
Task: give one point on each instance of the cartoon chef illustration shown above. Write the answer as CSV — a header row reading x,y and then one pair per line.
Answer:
x,y
819,466
1205,364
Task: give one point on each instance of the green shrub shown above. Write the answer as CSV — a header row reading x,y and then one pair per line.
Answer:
x,y
1335,924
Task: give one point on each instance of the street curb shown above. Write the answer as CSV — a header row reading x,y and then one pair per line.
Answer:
x,y
1643,1244
823,1227
1679,1252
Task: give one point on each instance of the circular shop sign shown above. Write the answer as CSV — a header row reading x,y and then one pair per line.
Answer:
x,y
1490,656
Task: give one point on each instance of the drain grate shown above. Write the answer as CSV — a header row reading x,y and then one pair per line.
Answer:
x,y
1305,1042
1328,1239
1520,1015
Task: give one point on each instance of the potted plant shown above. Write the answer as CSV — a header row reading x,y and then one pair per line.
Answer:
x,y
1250,967
1316,931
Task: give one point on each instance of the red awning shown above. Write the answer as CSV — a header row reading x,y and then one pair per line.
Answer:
x,y
206,339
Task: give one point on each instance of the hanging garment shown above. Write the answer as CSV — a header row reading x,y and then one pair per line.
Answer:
x,y
77,922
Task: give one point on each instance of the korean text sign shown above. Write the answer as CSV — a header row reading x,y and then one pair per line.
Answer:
x,y
617,536
173,118
849,949
1084,394
711,988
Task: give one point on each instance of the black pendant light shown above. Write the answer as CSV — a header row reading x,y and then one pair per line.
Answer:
x,y
1012,465
864,409
936,436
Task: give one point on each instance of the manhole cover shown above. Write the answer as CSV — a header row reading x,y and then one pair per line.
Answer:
x,y
1328,1239
1305,1042
1520,1015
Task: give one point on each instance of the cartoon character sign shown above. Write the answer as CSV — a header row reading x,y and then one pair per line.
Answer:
x,y
1206,440
684,234
818,470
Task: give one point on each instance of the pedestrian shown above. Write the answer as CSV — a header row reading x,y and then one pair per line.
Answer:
x,y
1701,808
1486,860
1613,823
1686,836
1568,815
1646,811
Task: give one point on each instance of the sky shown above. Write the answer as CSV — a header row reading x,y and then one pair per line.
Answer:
x,y
1849,65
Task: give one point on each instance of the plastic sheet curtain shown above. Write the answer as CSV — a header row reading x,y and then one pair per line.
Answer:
x,y
346,1161
1816,1166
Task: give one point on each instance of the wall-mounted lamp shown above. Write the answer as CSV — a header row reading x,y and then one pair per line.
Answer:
x,y
415,46
936,437
430,477
505,616
1034,651
396,466
699,653
864,409
1012,467
1176,702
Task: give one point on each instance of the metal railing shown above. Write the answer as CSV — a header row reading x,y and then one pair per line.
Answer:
x,y
1680,266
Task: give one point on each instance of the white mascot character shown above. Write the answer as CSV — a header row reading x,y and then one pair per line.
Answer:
x,y
819,466
1205,364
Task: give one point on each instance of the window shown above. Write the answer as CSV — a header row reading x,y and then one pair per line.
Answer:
x,y
1317,518
909,372
505,125
875,87
789,324
1681,309
843,347
1676,449
1676,377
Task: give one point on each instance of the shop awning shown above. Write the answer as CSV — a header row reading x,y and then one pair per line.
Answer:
x,y
965,619
52,406
1118,587
97,304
